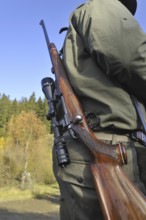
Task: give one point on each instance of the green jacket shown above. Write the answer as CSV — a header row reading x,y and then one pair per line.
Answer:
x,y
105,55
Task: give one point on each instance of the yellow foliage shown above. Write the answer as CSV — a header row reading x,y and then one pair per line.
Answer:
x,y
26,126
27,147
2,142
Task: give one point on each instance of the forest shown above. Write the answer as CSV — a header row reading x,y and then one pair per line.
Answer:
x,y
25,142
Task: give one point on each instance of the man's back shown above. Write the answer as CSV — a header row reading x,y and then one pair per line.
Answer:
x,y
98,53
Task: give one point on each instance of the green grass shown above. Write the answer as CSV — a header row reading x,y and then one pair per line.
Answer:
x,y
13,193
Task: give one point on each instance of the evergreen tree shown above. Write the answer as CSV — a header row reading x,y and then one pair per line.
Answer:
x,y
15,107
23,104
41,109
32,102
5,114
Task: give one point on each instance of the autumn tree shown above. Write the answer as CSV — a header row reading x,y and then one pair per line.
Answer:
x,y
29,147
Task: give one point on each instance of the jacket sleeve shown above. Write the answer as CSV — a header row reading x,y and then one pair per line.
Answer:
x,y
117,43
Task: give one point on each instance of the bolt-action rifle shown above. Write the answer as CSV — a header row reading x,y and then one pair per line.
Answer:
x,y
119,197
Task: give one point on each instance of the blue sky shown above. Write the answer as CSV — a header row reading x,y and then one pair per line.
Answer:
x,y
24,58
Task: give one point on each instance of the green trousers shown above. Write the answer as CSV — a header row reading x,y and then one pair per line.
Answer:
x,y
79,200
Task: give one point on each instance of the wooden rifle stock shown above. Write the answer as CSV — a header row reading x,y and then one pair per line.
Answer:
x,y
120,199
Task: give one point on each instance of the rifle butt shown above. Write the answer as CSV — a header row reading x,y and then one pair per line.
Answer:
x,y
119,198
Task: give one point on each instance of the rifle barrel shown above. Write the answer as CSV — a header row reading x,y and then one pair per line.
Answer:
x,y
45,32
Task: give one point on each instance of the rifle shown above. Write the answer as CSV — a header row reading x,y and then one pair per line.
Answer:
x,y
120,199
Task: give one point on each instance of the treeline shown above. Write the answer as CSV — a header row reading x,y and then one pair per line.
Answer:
x,y
9,108
25,142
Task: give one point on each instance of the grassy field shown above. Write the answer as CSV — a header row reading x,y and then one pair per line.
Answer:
x,y
13,193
